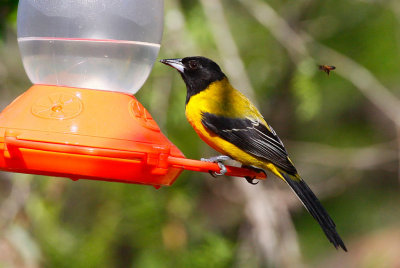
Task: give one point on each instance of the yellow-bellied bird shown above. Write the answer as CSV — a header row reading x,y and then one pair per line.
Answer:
x,y
227,121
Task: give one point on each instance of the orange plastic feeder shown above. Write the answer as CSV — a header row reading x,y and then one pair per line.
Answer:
x,y
80,120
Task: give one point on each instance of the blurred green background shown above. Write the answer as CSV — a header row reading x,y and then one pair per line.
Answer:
x,y
342,131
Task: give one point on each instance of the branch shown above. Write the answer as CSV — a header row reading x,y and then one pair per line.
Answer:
x,y
227,48
19,194
270,225
365,158
278,27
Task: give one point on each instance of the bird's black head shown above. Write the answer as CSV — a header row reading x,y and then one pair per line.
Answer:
x,y
197,72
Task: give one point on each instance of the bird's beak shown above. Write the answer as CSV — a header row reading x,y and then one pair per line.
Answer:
x,y
174,63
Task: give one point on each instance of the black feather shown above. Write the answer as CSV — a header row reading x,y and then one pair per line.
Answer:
x,y
311,202
252,137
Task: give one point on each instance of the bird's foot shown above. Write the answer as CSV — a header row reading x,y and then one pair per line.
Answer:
x,y
256,169
221,172
217,159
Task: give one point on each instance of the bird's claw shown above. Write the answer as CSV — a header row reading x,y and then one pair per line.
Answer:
x,y
217,159
251,180
212,173
222,170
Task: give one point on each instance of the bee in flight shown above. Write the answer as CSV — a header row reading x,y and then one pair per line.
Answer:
x,y
326,68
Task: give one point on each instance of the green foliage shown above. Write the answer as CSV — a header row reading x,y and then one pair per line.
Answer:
x,y
8,14
308,97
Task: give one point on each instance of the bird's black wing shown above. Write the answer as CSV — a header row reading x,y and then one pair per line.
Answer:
x,y
252,137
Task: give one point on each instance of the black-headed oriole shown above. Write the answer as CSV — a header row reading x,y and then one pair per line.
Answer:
x,y
227,121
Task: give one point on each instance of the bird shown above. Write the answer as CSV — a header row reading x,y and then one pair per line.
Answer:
x,y
226,120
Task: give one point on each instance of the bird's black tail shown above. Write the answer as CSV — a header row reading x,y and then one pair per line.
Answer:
x,y
311,202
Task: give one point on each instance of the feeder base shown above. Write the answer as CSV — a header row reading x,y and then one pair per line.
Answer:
x,y
85,134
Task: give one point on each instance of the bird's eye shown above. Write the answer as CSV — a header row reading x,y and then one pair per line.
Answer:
x,y
193,64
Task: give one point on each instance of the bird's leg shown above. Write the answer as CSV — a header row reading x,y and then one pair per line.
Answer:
x,y
217,159
256,169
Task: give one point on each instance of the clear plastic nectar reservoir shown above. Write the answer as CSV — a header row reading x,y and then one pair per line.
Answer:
x,y
88,63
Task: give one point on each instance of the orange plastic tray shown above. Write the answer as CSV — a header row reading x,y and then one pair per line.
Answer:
x,y
91,134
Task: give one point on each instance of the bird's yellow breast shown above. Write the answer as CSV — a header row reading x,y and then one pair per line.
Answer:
x,y
220,98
